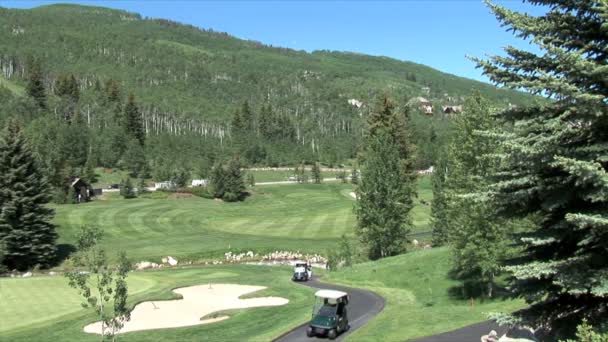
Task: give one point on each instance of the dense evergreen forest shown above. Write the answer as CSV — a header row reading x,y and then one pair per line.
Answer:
x,y
102,87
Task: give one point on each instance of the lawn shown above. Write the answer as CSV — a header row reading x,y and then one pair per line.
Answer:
x,y
10,85
32,308
421,299
305,217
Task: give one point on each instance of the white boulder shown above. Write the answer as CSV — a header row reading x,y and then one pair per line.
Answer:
x,y
171,261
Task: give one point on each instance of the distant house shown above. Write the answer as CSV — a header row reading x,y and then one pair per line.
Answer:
x,y
164,185
82,190
428,171
425,105
199,182
451,109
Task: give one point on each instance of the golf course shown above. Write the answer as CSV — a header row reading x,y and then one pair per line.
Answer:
x,y
308,217
305,217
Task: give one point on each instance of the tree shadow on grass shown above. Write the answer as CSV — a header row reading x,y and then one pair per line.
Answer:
x,y
64,250
471,287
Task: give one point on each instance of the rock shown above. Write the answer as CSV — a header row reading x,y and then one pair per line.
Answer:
x,y
142,265
171,261
26,275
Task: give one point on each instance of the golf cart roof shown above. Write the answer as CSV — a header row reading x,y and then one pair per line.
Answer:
x,y
331,294
298,262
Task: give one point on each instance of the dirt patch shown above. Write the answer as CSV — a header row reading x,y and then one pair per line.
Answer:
x,y
180,195
197,301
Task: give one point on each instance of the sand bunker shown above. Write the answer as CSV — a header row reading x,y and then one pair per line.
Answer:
x,y
198,301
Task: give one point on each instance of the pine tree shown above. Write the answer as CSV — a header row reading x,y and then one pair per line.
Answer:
x,y
234,182
316,173
26,230
217,180
555,165
35,83
134,124
439,205
126,189
477,238
247,118
354,175
382,209
89,169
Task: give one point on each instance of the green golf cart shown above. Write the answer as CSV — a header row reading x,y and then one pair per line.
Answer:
x,y
329,315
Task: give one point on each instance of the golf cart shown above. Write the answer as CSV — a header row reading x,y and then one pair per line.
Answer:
x,y
329,314
302,271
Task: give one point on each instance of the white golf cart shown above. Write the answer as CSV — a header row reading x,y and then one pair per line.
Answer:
x,y
302,271
329,316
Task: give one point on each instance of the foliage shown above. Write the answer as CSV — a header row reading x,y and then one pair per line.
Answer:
x,y
317,178
439,206
478,239
186,83
251,179
103,287
26,230
354,175
585,333
384,195
554,163
35,83
382,210
126,189
227,181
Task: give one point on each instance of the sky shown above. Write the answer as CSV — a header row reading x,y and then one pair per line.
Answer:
x,y
437,33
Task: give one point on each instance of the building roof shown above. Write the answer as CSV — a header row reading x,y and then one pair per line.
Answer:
x,y
331,294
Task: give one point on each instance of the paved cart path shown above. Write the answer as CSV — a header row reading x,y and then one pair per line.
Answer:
x,y
363,306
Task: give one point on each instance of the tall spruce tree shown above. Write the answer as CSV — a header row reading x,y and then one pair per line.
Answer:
x,y
233,181
316,173
478,239
382,208
555,162
133,121
439,205
26,231
35,83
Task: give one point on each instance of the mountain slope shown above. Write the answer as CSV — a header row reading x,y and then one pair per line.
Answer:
x,y
183,69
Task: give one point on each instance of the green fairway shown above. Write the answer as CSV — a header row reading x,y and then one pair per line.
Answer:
x,y
421,299
293,217
45,306
308,217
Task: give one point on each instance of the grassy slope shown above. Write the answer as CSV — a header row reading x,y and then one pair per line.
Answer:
x,y
13,87
46,306
419,295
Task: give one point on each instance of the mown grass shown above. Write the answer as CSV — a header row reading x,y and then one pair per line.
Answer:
x,y
45,308
304,217
421,299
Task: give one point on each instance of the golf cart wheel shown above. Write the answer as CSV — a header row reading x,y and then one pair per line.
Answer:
x,y
332,334
310,332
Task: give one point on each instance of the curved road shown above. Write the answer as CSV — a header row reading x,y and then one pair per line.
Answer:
x,y
363,306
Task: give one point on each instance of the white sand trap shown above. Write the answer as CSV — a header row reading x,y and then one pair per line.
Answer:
x,y
198,301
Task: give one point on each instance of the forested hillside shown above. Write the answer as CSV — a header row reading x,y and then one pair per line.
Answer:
x,y
189,82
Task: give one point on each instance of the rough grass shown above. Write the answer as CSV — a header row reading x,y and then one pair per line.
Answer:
x,y
12,86
45,308
421,299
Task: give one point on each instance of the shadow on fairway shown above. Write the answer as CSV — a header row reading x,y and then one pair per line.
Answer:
x,y
64,250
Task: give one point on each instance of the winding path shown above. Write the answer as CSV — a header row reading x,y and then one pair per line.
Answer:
x,y
363,306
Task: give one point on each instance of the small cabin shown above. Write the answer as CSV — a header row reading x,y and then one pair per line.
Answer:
x,y
164,185
83,191
199,182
